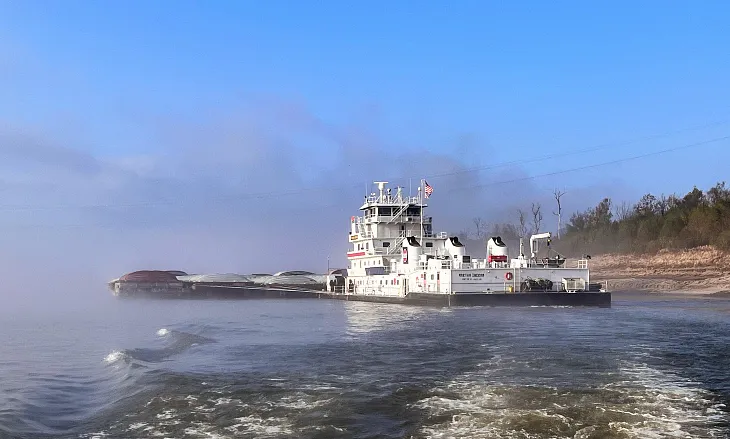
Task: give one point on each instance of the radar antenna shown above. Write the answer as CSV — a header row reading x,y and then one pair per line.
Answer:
x,y
381,186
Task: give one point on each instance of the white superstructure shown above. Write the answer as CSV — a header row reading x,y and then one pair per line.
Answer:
x,y
394,251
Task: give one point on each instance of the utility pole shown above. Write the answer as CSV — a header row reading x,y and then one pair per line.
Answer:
x,y
559,213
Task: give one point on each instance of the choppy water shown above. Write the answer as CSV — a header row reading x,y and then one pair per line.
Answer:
x,y
328,369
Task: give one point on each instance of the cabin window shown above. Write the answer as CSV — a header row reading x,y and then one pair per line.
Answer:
x,y
386,244
429,244
432,277
367,245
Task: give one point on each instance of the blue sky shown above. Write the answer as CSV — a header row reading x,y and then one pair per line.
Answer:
x,y
523,78
157,90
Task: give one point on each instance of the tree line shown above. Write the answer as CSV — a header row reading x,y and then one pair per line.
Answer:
x,y
651,224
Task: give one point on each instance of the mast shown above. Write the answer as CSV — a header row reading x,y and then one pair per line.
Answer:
x,y
421,191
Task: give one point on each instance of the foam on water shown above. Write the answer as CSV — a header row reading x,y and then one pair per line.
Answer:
x,y
114,356
644,403
215,412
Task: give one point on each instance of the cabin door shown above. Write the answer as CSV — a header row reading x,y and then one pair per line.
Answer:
x,y
404,287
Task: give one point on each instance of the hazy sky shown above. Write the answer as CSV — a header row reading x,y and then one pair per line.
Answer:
x,y
239,136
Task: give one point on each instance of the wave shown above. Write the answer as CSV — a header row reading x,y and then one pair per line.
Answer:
x,y
178,343
53,404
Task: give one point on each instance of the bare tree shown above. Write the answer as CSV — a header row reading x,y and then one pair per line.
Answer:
x,y
622,211
536,217
559,213
663,204
480,227
522,218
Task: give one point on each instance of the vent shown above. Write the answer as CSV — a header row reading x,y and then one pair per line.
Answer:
x,y
413,242
498,241
455,241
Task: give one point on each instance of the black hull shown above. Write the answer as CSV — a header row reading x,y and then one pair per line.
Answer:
x,y
592,299
602,300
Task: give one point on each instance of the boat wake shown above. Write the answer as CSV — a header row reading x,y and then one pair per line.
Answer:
x,y
642,402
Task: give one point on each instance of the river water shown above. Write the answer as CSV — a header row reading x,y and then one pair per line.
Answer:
x,y
647,367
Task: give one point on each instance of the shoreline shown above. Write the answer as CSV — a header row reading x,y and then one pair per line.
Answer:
x,y
702,272
699,294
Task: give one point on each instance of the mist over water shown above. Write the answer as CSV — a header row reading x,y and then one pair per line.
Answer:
x,y
647,367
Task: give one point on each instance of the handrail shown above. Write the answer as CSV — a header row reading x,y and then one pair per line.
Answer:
x,y
373,199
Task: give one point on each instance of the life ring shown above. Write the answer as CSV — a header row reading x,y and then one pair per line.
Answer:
x,y
508,276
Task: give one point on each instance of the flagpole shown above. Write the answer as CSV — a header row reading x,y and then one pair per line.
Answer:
x,y
422,192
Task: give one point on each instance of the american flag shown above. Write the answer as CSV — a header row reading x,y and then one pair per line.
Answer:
x,y
428,189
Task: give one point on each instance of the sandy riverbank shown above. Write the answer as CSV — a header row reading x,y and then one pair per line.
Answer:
x,y
700,271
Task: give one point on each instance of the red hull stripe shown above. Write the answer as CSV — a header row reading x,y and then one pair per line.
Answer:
x,y
353,254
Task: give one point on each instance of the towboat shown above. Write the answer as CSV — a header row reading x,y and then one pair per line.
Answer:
x,y
395,256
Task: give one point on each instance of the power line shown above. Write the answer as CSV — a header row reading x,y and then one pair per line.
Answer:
x,y
584,150
596,165
260,195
